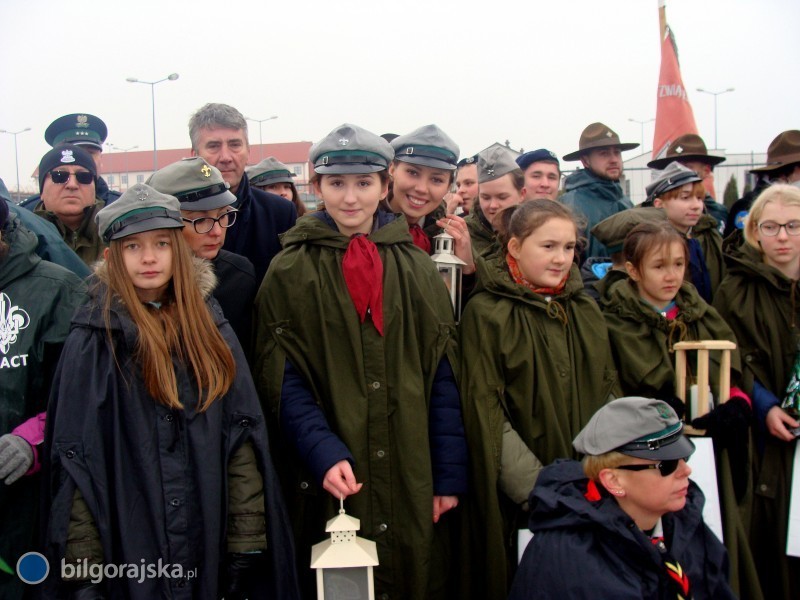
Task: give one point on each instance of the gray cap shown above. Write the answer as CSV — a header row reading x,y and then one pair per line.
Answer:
x,y
612,231
674,176
494,162
140,208
639,427
269,171
350,149
428,146
195,183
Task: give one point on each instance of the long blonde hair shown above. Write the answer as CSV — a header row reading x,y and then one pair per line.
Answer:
x,y
183,327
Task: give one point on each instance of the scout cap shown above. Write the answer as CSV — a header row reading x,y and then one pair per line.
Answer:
x,y
541,155
689,146
195,183
674,176
469,160
140,208
612,231
595,136
269,171
783,150
494,162
81,129
65,155
350,149
639,427
428,146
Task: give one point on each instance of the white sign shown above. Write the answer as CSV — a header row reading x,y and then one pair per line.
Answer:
x,y
704,474
793,539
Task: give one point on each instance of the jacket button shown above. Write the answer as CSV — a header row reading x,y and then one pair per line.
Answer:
x,y
303,485
380,453
279,330
169,418
383,527
175,502
70,454
763,487
245,422
376,385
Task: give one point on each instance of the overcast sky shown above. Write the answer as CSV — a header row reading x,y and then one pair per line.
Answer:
x,y
535,73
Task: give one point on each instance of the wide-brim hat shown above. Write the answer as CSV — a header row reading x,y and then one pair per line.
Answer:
x,y
784,150
269,171
595,136
81,129
688,147
197,185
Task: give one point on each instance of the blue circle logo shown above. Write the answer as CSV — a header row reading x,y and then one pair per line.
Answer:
x,y
32,568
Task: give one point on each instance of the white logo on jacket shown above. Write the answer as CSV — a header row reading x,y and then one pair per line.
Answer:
x,y
12,320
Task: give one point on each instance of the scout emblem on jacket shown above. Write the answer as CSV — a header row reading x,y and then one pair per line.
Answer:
x,y
12,319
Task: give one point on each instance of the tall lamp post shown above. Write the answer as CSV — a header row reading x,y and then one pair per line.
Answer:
x,y
127,171
715,94
260,139
16,155
152,84
642,123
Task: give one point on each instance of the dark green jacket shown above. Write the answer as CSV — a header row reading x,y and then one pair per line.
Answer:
x,y
542,363
85,241
374,391
483,238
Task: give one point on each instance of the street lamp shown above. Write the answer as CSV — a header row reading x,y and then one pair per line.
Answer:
x,y
642,123
715,94
152,85
260,139
127,171
16,156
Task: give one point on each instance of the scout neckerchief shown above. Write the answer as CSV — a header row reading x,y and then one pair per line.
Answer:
x,y
420,239
363,274
677,578
519,278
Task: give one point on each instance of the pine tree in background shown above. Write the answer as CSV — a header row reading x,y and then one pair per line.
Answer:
x,y
731,192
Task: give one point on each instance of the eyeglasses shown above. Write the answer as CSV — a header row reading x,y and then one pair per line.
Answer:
x,y
61,177
666,467
206,224
771,228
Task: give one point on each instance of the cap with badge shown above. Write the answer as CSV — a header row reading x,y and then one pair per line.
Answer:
x,y
689,146
596,136
62,156
783,151
674,176
612,231
639,427
494,162
269,171
469,160
427,146
541,155
350,149
81,129
141,208
196,184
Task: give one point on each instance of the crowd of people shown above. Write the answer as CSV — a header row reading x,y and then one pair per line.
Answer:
x,y
200,370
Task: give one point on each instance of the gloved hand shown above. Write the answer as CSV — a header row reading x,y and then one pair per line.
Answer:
x,y
675,403
16,457
241,572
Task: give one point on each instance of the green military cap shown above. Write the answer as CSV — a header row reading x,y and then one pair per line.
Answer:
x,y
674,176
612,231
494,162
140,208
350,149
428,146
269,171
195,183
81,129
598,135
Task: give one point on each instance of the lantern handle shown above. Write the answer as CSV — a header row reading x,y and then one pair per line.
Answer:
x,y
341,504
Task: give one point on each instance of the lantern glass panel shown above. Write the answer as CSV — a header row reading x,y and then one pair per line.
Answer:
x,y
346,584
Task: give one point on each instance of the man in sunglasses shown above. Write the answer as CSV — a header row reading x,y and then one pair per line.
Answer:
x,y
67,184
208,213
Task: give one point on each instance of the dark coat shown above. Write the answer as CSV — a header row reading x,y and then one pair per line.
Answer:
x,y
585,549
154,479
236,291
483,238
706,232
261,219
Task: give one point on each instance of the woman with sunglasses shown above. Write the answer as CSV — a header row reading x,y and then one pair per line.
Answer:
x,y
626,522
67,178
759,299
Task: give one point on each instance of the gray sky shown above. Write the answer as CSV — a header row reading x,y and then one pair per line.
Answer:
x,y
535,73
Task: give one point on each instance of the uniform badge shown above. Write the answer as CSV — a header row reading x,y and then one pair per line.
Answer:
x,y
66,156
664,411
82,121
609,134
141,194
205,171
490,172
343,141
679,150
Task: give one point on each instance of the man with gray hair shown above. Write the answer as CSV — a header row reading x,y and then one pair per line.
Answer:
x,y
219,135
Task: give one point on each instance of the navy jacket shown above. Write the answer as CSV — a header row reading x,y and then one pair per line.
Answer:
x,y
236,291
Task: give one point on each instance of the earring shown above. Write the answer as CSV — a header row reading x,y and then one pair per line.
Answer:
x,y
618,492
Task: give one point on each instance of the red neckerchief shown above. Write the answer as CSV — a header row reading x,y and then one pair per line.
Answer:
x,y
363,274
421,240
519,278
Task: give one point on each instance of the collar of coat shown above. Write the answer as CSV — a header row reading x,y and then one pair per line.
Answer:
x,y
623,299
318,228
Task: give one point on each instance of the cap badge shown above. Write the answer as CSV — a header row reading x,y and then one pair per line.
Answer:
x,y
83,121
663,411
609,134
343,141
679,149
205,171
141,194
66,156
469,160
553,154
490,172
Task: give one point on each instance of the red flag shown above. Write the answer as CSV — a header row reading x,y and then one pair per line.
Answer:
x,y
674,116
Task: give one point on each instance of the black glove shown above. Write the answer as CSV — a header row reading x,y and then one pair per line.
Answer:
x,y
87,591
675,403
241,574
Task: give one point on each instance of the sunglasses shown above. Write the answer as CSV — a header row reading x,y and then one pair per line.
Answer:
x,y
206,224
666,467
82,177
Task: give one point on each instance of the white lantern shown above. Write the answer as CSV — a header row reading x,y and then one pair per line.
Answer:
x,y
449,266
344,562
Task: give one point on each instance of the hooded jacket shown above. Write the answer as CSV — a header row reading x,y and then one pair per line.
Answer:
x,y
484,240
154,479
595,199
584,549
541,363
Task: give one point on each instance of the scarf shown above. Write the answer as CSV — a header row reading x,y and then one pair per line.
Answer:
x,y
363,274
421,240
519,278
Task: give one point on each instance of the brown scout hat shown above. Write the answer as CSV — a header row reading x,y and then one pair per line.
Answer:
x,y
784,150
598,135
689,146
